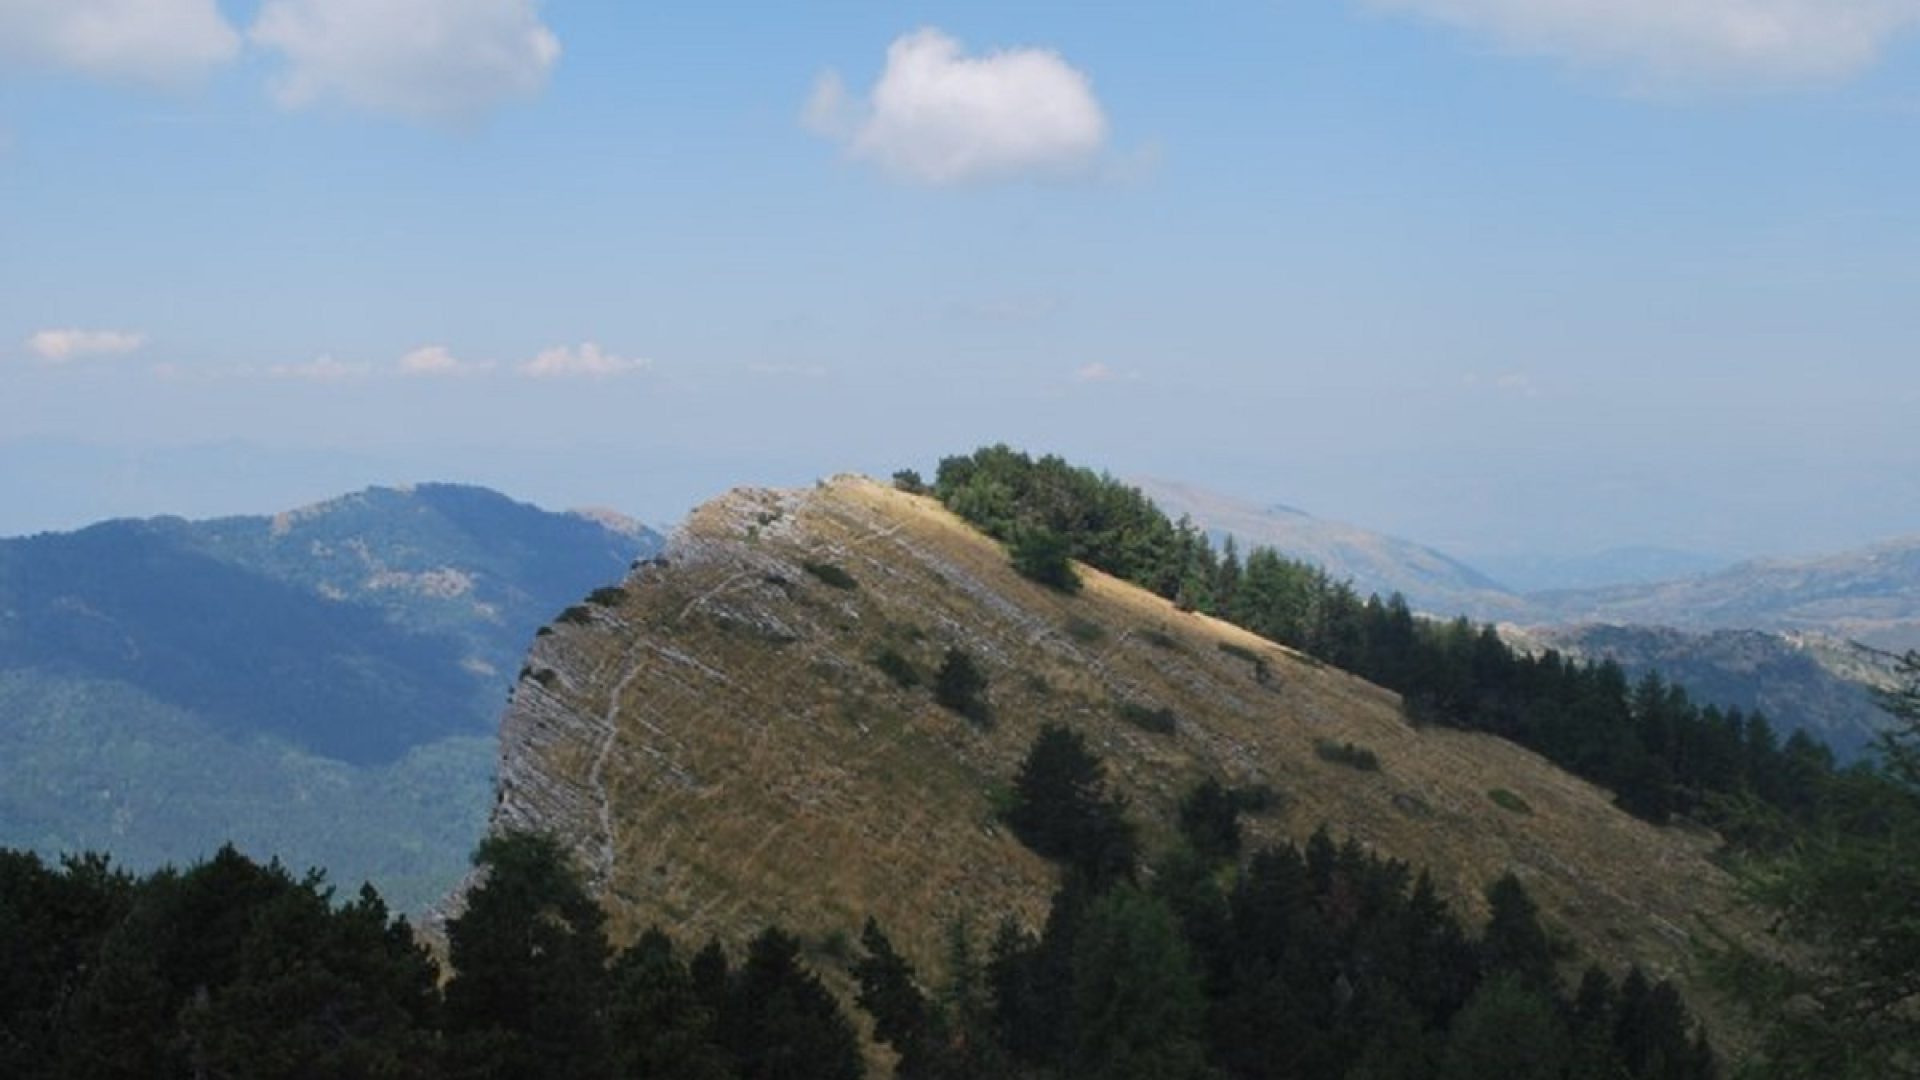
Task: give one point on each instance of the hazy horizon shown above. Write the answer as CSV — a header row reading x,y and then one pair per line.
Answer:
x,y
1503,280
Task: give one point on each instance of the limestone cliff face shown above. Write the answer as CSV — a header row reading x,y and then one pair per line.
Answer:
x,y
717,743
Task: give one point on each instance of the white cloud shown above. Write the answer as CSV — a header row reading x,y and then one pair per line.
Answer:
x,y
1098,372
1664,42
61,346
425,59
153,41
938,116
435,360
587,359
323,369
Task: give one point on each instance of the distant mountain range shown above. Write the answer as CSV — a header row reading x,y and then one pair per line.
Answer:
x,y
1637,565
1871,595
1774,635
322,683
1374,562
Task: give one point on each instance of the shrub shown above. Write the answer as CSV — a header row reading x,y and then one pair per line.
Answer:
x,y
1044,556
961,686
897,667
909,481
830,575
578,615
1348,754
1507,800
1155,718
607,596
1210,821
1257,798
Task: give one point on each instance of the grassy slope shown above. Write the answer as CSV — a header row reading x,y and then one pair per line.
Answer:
x,y
722,751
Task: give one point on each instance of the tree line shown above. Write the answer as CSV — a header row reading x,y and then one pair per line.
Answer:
x,y
1322,961
235,969
1658,751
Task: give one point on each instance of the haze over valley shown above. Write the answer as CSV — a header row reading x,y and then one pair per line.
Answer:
x,y
1364,540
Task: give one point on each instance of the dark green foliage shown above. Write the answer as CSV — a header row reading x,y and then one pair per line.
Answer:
x,y
830,575
1348,754
227,969
53,924
1138,1009
1507,800
1515,943
234,969
529,957
960,685
1042,555
1155,718
1507,1030
577,615
1258,798
1657,751
909,481
778,1022
1848,890
658,1024
1210,821
608,596
902,1016
1063,810
897,667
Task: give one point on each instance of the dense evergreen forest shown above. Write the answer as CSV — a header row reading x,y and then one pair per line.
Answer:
x,y
237,969
1322,961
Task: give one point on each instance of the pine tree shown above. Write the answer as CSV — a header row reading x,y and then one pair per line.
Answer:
x,y
528,994
1137,1004
780,1023
1063,810
1514,942
658,1025
1210,821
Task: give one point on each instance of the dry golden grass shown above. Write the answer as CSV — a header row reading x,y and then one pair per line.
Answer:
x,y
759,767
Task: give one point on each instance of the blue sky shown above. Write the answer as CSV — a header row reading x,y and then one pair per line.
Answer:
x,y
1503,277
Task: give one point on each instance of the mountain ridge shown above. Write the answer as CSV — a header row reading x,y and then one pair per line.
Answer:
x,y
719,742
322,683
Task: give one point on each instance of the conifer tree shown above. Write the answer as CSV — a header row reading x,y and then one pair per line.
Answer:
x,y
528,994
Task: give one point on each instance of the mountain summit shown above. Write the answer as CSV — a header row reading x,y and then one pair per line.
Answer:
x,y
745,731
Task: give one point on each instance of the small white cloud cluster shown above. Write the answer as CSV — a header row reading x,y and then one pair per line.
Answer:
x,y
587,359
152,41
1683,42
324,369
62,346
428,59
423,59
939,116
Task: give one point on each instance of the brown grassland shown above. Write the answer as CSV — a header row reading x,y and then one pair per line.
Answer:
x,y
720,747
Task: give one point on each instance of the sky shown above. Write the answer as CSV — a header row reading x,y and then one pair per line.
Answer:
x,y
1502,276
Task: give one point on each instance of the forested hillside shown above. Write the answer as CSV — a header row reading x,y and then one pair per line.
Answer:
x,y
322,683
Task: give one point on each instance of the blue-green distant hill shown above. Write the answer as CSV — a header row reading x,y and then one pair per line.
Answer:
x,y
322,683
